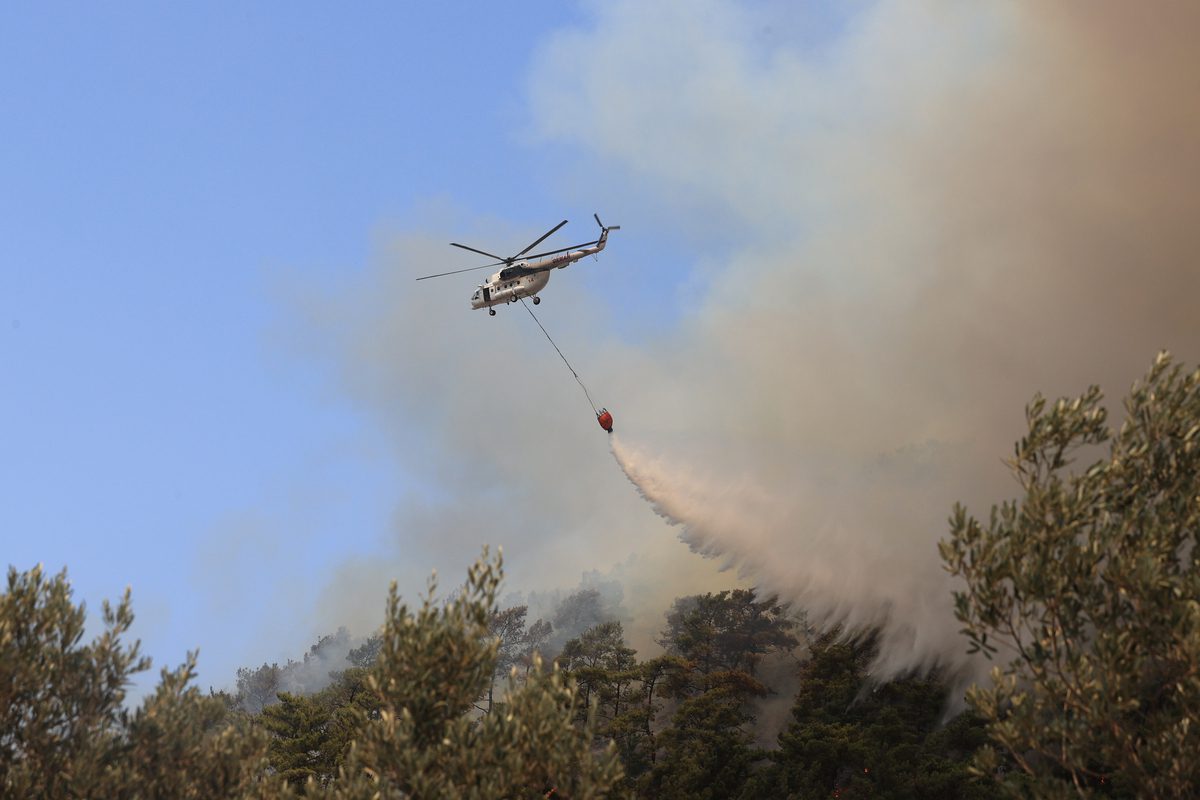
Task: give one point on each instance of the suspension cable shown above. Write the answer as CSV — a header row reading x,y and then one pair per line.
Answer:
x,y
560,354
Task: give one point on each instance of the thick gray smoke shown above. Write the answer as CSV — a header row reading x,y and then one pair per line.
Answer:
x,y
953,206
941,209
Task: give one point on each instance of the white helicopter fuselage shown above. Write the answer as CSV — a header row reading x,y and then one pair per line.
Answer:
x,y
527,278
495,290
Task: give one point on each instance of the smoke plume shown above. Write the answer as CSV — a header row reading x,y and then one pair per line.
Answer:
x,y
949,208
931,214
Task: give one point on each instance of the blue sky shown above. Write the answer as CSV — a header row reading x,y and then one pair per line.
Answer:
x,y
164,170
162,167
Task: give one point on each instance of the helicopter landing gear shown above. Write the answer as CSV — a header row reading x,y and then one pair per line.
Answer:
x,y
491,312
536,300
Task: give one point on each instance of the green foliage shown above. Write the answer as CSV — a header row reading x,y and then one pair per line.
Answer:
x,y
183,744
433,663
311,730
715,643
64,732
300,748
602,666
727,631
258,688
365,654
516,645
59,700
850,737
508,627
1088,588
403,729
311,734
707,751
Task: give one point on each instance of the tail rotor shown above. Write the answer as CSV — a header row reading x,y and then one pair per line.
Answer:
x,y
604,229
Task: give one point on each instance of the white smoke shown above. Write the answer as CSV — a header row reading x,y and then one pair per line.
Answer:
x,y
949,208
938,212
844,547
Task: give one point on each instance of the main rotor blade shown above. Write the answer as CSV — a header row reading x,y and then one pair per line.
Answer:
x,y
468,269
562,250
481,252
539,241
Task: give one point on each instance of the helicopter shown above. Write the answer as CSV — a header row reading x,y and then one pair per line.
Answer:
x,y
526,275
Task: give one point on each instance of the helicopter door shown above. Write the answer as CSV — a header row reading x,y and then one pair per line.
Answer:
x,y
487,295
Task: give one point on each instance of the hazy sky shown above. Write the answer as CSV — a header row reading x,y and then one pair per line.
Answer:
x,y
858,235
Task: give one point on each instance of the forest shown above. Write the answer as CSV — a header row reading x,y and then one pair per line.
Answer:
x,y
685,723
1083,592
